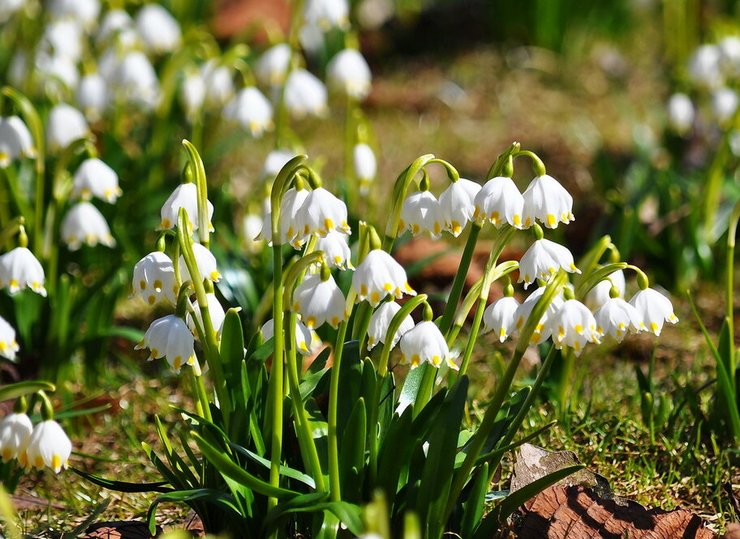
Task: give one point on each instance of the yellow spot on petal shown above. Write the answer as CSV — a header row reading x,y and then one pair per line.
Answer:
x,y
456,228
653,327
517,219
561,332
415,360
7,455
177,363
387,287
151,299
363,290
502,334
415,228
337,260
215,276
38,461
56,462
329,224
528,222
335,321
577,346
142,284
551,220
578,328
436,361
302,346
310,322
23,459
165,223
157,285
437,228
495,217
374,297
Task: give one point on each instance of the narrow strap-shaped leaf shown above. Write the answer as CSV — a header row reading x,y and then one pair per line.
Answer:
x,y
123,486
475,504
348,514
352,454
287,471
18,389
185,496
174,458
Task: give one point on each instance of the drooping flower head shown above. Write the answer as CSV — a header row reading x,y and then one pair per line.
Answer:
x,y
380,321
307,341
615,318
206,262
85,224
184,196
543,259
321,213
158,29
456,205
48,446
349,73
64,125
601,293
548,202
272,66
366,166
680,113
573,326
15,433
305,95
94,178
378,276
154,278
319,300
421,213
542,329
8,344
499,201
252,110
425,343
499,317
336,250
20,269
170,338
654,308
215,310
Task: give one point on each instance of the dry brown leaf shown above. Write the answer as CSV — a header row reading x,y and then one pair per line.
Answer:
x,y
123,529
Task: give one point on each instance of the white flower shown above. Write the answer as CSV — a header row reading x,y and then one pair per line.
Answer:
x,y
378,276
158,29
499,201
305,95
185,196
573,326
8,344
9,7
680,113
85,224
543,259
26,146
252,110
251,232
424,342
456,205
380,321
62,38
654,309
421,213
272,66
114,21
136,81
64,125
307,340
15,432
729,48
58,74
10,142
215,310
499,317
311,38
219,83
169,337
206,262
154,278
95,178
704,66
321,213
48,446
548,202
290,228
192,93
349,73
84,11
366,166
600,293
542,330
616,318
724,105
92,96
19,268
327,14
336,250
319,301
274,161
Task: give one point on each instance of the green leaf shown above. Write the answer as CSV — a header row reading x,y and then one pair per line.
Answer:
x,y
475,504
349,514
285,471
19,389
352,453
123,486
410,389
185,496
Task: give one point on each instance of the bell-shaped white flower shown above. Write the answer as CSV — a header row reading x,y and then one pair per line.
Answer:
x,y
421,213
729,47
252,110
62,38
542,329
724,105
8,344
192,93
274,161
424,342
573,325
15,433
378,276
499,201
291,230
84,11
305,95
680,113
48,446
366,166
10,142
272,66
154,278
25,146
600,293
113,22
20,269
654,309
616,318
499,317
307,340
322,213
327,14
548,202
85,224
349,73
543,259
92,96
215,310
206,262
381,319
704,66
319,300
336,250
158,29
136,81
185,196
64,125
170,338
94,178
456,205
219,84
251,233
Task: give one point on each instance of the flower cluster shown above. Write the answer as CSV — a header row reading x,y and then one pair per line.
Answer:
x,y
43,445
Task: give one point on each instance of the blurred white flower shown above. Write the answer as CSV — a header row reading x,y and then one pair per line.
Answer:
x,y
64,125
349,73
10,142
251,109
276,160
724,105
192,93
499,201
654,309
318,301
272,66
85,224
499,317
25,140
154,278
366,166
92,96
9,7
680,113
169,337
548,202
20,269
378,276
15,433
456,205
48,446
185,196
8,344
114,21
704,66
424,342
58,74
136,81
251,230
62,37
94,178
421,213
573,325
543,259
290,228
206,262
305,95
219,84
327,14
83,11
381,319
729,48
158,29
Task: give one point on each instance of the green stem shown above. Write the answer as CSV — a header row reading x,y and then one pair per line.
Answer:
x,y
474,329
204,407
713,189
335,486
730,286
426,388
459,281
